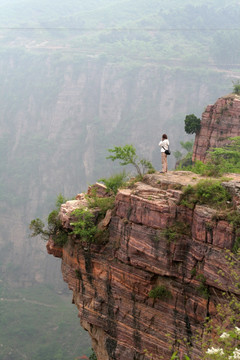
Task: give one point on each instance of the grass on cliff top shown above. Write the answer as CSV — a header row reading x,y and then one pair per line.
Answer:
x,y
221,160
206,192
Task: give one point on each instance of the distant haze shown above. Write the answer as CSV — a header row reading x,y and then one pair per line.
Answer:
x,y
77,78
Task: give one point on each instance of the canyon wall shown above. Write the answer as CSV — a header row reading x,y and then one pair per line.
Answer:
x,y
219,122
154,240
55,134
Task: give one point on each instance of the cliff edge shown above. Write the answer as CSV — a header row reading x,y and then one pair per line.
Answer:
x,y
154,241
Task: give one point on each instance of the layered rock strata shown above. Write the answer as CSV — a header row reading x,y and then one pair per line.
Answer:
x,y
219,122
153,241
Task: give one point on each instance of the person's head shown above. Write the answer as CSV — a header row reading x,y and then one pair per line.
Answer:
x,y
164,137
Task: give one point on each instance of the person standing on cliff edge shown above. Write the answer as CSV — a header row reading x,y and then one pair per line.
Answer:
x,y
164,144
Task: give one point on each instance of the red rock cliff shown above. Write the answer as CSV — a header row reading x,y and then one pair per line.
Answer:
x,y
113,280
219,122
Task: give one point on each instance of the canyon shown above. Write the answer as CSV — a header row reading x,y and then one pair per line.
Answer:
x,y
61,146
153,240
54,139
74,83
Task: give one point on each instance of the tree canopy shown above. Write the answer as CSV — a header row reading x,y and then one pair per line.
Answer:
x,y
192,124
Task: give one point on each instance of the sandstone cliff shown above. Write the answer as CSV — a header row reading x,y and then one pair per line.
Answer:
x,y
111,281
219,122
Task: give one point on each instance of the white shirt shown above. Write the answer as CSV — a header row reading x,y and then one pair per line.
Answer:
x,y
164,145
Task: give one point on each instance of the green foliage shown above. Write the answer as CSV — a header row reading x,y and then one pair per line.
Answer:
x,y
189,197
236,245
93,356
60,200
198,167
103,203
84,225
185,163
236,87
226,158
37,228
192,124
225,47
172,233
126,47
221,160
209,192
215,166
234,218
54,228
175,356
194,272
53,221
202,288
177,154
212,193
133,181
188,145
113,183
60,238
127,156
160,292
147,166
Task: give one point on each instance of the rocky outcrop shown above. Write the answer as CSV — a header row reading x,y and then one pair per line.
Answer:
x,y
154,241
219,122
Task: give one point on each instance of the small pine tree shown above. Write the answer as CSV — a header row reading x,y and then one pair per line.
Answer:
x,y
192,124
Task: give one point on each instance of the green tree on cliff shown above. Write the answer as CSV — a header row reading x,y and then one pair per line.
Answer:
x,y
192,124
236,87
54,227
127,156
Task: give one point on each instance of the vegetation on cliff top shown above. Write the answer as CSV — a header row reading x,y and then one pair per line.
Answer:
x,y
114,182
221,160
206,192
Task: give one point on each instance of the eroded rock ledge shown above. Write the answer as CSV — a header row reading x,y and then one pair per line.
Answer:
x,y
113,280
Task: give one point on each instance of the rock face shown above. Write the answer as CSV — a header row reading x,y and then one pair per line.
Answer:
x,y
153,241
219,122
